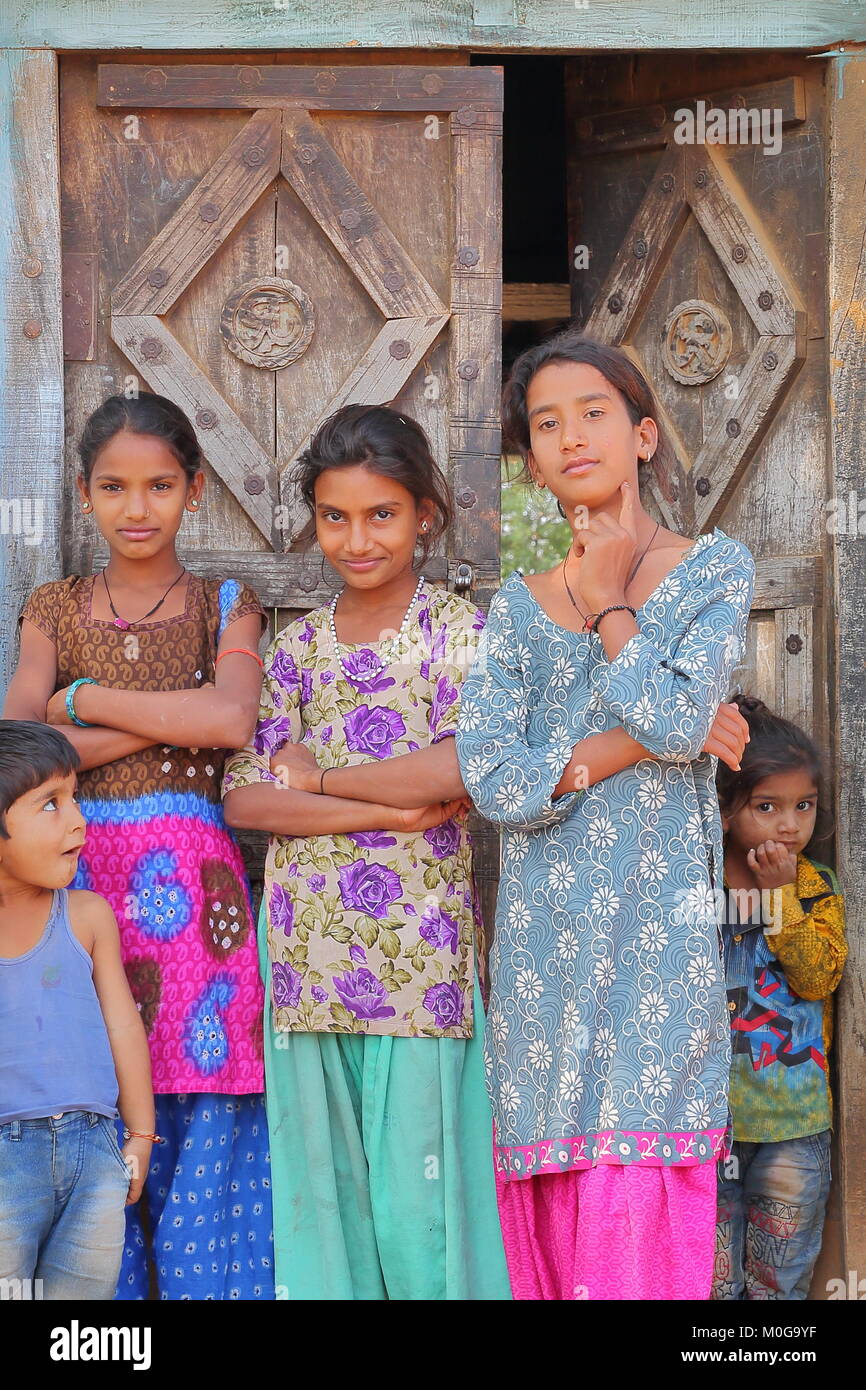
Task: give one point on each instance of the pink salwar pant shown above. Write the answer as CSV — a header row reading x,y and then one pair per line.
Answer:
x,y
610,1232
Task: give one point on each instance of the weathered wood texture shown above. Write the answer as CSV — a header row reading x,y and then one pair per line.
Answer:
x,y
31,341
478,24
847,356
664,224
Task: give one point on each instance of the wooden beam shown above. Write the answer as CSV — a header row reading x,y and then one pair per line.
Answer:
x,y
651,127
551,25
31,336
533,303
846,350
335,88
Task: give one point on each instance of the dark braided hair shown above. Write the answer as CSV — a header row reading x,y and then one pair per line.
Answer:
x,y
775,745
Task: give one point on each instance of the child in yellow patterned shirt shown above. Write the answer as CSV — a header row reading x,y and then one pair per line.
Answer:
x,y
784,936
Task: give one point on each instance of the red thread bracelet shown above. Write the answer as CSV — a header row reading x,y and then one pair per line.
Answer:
x,y
242,651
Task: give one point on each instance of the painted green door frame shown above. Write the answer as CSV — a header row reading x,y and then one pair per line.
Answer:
x,y
31,343
501,25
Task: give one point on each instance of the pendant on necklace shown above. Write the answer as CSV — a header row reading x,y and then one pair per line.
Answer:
x,y
122,624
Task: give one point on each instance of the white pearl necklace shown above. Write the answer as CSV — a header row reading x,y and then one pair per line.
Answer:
x,y
388,645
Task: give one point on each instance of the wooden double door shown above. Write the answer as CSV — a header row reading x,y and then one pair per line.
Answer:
x,y
264,240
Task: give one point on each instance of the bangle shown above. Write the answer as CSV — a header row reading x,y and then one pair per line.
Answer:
x,y
137,1134
322,780
614,608
70,701
244,651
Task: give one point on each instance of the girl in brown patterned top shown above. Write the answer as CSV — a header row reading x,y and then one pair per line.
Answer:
x,y
172,680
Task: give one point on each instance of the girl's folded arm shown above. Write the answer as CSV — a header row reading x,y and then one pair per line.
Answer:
x,y
219,716
283,811
254,798
408,780
669,704
32,686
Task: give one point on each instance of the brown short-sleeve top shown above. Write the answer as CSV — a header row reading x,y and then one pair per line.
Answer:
x,y
172,654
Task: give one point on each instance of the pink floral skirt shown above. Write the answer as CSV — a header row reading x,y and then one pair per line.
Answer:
x,y
611,1232
182,902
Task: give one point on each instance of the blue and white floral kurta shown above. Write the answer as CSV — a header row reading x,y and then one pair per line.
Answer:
x,y
607,1038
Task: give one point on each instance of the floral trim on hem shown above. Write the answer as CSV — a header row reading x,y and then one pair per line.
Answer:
x,y
647,1147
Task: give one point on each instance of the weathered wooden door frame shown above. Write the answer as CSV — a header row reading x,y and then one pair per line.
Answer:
x,y
31,346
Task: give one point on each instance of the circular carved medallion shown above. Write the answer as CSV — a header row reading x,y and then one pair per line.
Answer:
x,y
697,342
268,322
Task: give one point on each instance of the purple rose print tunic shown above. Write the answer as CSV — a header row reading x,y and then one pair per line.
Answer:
x,y
371,932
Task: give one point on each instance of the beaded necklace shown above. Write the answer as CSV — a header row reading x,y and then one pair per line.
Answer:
x,y
388,645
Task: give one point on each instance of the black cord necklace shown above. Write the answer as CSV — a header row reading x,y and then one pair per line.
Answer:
x,y
121,622
585,616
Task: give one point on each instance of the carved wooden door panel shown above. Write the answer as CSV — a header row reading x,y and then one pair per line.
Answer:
x,y
702,261
266,242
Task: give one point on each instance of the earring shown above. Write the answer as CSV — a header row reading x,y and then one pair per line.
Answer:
x,y
194,504
423,525
86,506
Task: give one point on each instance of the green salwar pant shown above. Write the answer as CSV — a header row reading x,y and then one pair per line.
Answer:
x,y
381,1164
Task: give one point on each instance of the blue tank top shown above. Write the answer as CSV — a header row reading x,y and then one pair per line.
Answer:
x,y
54,1049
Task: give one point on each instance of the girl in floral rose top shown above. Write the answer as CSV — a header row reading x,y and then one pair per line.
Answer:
x,y
379,1120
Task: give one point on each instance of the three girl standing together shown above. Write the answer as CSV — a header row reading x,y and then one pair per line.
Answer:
x,y
606,1050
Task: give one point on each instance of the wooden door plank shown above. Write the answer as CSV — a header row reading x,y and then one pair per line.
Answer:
x,y
31,337
475,349
352,224
474,376
653,127
231,450
331,87
846,87
211,212
795,665
725,453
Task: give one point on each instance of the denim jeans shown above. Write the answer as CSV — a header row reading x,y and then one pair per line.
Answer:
x,y
771,1218
63,1189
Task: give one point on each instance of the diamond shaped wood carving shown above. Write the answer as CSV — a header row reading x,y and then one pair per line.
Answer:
x,y
697,180
272,143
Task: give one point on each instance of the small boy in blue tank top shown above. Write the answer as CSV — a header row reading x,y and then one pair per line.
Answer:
x,y
71,1041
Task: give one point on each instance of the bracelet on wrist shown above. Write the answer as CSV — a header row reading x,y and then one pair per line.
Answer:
x,y
70,701
614,608
137,1134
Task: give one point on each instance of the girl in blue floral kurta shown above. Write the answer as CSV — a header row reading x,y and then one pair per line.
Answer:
x,y
607,1039
379,1122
